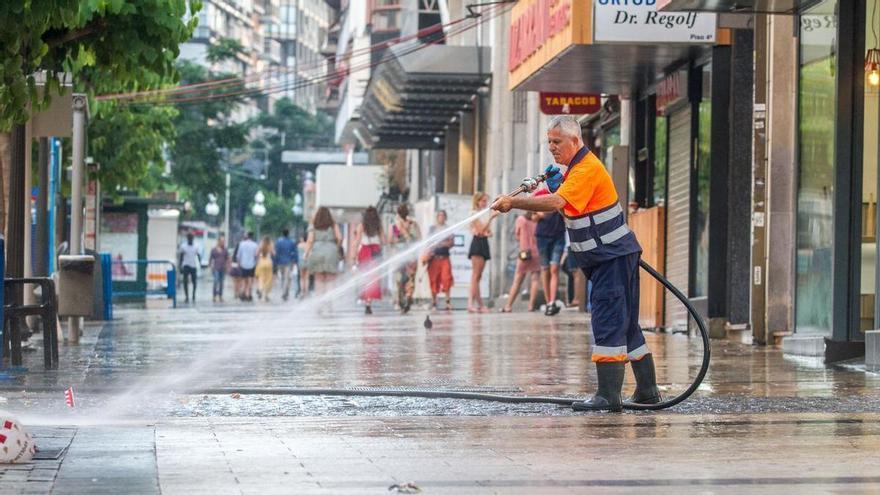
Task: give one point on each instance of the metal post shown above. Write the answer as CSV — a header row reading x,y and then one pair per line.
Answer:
x,y
226,207
55,149
15,232
76,187
76,195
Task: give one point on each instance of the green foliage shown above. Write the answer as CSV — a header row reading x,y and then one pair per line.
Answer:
x,y
278,216
128,141
224,49
291,128
204,130
125,45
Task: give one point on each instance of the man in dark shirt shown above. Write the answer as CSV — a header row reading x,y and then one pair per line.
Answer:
x,y
286,257
550,234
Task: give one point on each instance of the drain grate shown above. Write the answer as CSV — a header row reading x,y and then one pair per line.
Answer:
x,y
49,454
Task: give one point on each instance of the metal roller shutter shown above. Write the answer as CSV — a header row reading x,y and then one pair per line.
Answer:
x,y
678,205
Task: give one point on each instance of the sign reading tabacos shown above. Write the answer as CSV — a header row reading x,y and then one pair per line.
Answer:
x,y
539,22
570,103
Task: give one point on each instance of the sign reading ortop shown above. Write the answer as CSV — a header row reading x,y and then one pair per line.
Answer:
x,y
635,21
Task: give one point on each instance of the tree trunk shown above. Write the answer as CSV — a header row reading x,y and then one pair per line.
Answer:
x,y
5,161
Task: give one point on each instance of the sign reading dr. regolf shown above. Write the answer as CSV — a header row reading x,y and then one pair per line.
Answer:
x,y
569,103
630,21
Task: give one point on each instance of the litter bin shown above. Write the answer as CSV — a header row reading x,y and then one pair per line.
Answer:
x,y
76,285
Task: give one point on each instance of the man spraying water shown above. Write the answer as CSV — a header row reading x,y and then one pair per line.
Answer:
x,y
604,247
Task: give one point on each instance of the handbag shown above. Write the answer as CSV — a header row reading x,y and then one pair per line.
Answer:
x,y
525,254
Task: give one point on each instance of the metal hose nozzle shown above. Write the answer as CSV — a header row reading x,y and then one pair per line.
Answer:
x,y
529,184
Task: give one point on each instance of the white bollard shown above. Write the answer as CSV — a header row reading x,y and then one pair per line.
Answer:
x,y
16,444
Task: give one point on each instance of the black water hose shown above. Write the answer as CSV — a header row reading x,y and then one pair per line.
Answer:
x,y
462,395
510,399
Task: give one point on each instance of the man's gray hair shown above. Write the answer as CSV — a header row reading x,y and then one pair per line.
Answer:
x,y
565,123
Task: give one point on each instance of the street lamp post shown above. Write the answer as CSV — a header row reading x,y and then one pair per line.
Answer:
x,y
212,209
226,207
259,210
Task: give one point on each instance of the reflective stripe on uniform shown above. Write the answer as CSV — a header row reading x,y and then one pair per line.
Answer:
x,y
602,350
614,234
577,223
579,247
638,353
608,214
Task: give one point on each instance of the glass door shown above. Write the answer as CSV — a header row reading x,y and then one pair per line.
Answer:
x,y
868,310
817,113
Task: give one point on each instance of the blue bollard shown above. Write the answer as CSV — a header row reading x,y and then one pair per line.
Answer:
x,y
171,279
107,284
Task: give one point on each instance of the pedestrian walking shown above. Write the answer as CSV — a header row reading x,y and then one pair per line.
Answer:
x,y
369,238
607,251
264,268
286,261
303,267
439,265
322,249
246,256
189,260
404,233
219,263
479,250
550,234
527,264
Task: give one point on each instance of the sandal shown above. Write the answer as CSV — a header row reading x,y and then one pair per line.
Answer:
x,y
505,310
448,305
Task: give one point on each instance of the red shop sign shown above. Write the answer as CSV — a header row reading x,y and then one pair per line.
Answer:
x,y
540,21
573,103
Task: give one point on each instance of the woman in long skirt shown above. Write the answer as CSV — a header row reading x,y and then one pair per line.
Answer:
x,y
369,238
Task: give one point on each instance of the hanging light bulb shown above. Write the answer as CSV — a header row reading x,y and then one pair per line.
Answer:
x,y
872,66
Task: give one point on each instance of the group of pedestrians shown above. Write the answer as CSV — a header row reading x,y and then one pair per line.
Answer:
x,y
313,264
542,249
253,267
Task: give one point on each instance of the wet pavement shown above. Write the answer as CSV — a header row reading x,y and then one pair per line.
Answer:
x,y
199,399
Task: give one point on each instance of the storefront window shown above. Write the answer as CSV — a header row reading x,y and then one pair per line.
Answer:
x,y
817,103
660,142
704,167
868,300
611,138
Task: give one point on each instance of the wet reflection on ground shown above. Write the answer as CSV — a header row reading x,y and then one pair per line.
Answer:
x,y
522,353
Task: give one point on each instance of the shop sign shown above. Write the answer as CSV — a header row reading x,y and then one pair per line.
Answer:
x,y
570,103
536,24
639,21
671,90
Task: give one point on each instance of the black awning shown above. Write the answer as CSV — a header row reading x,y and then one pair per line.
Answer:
x,y
414,95
739,6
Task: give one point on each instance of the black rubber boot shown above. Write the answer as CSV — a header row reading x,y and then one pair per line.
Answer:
x,y
646,382
607,396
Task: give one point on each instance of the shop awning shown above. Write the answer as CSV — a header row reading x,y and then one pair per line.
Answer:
x,y
736,6
412,97
619,69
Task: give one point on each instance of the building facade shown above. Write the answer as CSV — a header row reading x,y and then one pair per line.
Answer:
x,y
281,41
815,181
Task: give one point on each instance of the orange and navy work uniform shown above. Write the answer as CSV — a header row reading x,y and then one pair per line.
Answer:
x,y
607,251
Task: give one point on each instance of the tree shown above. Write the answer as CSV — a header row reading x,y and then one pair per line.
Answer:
x,y
206,132
132,44
291,128
113,45
128,143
